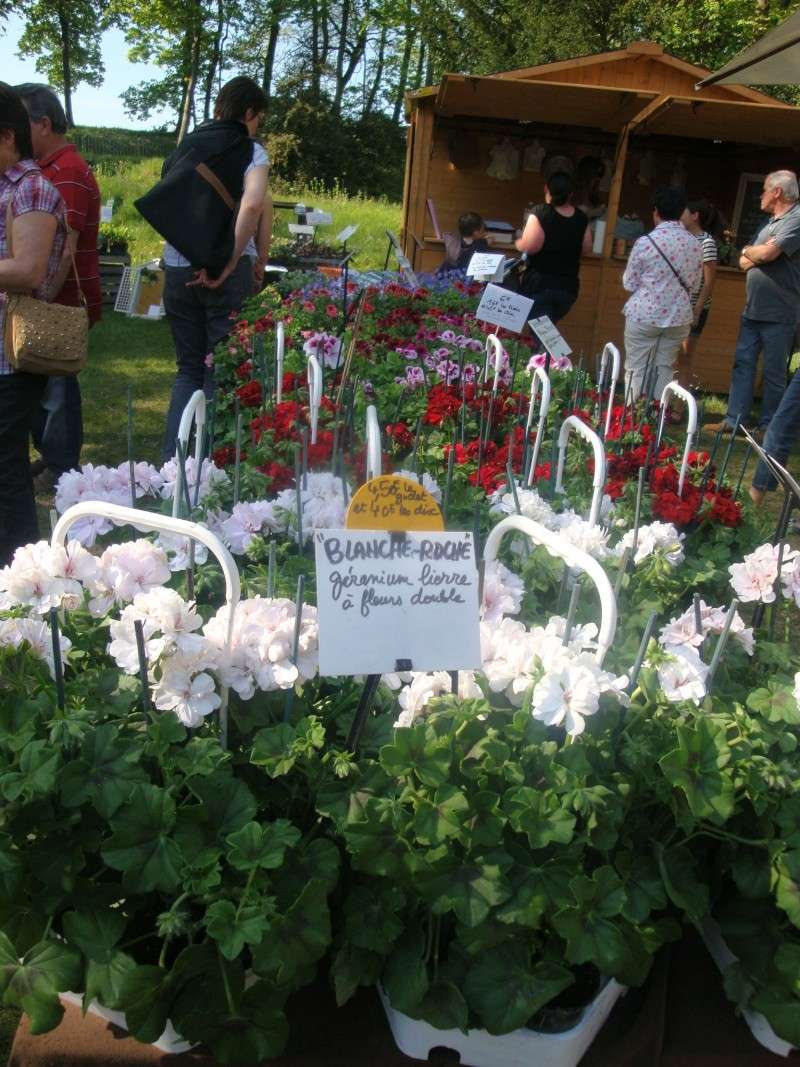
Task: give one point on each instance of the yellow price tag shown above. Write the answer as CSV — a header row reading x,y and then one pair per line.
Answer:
x,y
392,502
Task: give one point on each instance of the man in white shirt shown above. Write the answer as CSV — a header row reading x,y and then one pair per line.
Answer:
x,y
664,269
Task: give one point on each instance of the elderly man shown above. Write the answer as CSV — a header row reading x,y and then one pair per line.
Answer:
x,y
770,315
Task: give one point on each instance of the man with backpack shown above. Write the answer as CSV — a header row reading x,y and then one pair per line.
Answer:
x,y
209,205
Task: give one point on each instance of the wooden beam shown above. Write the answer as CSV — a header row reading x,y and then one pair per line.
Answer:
x,y
414,220
408,171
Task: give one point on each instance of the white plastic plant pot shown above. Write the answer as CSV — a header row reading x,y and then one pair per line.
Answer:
x,y
570,423
691,427
520,1048
170,1042
611,350
575,558
373,443
539,378
723,957
193,413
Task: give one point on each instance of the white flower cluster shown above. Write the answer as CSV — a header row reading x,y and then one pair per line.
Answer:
x,y
322,502
124,571
41,577
567,681
423,686
210,476
503,591
37,634
660,538
569,525
755,577
245,522
260,655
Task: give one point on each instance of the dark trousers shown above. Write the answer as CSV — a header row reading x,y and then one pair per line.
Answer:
x,y
20,395
555,303
58,425
774,341
199,318
782,434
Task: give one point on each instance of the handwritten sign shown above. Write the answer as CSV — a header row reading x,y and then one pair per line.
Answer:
x,y
346,233
487,266
503,308
299,228
384,597
391,502
319,218
547,333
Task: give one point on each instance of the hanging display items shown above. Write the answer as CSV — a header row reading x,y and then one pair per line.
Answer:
x,y
533,156
505,161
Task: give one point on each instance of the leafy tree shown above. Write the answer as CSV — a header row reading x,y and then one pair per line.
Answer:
x,y
64,35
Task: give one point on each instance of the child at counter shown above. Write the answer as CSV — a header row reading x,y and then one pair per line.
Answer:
x,y
460,248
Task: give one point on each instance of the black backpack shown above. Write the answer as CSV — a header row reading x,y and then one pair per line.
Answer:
x,y
194,204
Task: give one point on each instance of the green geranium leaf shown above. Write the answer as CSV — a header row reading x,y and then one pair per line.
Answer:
x,y
787,961
318,860
256,1031
141,845
297,939
444,1007
416,750
442,817
227,802
96,933
782,1011
536,889
353,967
39,763
261,845
11,869
371,917
104,981
683,887
200,757
273,749
33,984
166,730
776,703
697,768
752,872
540,815
644,887
146,1001
505,989
234,928
467,889
787,889
105,774
405,977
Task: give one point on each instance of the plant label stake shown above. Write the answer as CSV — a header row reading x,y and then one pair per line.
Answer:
x,y
131,465
142,654
279,346
304,454
298,619
728,451
58,665
722,640
638,513
637,666
237,469
298,493
271,571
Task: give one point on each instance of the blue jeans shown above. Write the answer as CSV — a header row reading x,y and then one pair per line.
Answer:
x,y
783,433
775,341
198,318
58,425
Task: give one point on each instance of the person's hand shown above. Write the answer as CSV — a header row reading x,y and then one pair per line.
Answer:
x,y
202,278
259,266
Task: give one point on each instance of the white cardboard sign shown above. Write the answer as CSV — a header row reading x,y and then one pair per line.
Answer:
x,y
346,233
319,218
487,266
299,228
503,308
384,597
548,334
106,213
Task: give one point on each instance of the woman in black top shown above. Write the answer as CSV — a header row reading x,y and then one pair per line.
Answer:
x,y
556,234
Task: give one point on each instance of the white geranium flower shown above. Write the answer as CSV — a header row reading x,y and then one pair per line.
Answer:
x,y
683,630
322,501
424,686
790,576
567,697
210,475
260,656
169,627
179,551
508,653
660,537
41,577
38,635
425,480
124,571
246,521
502,592
754,578
580,533
531,505
683,675
191,698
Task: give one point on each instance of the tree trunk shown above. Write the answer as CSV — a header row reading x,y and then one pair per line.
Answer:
x,y
66,65
369,103
340,51
213,63
191,84
315,64
403,76
269,60
420,65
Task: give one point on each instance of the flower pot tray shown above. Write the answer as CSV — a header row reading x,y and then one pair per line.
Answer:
x,y
170,1041
521,1048
723,957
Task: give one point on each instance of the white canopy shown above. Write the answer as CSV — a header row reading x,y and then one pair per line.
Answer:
x,y
772,60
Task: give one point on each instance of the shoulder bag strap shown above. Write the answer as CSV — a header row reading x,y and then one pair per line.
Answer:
x,y
10,244
684,286
207,174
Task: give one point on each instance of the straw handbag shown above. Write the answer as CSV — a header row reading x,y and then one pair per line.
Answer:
x,y
43,338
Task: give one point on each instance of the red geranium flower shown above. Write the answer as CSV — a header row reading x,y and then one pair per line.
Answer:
x,y
281,476
249,394
401,434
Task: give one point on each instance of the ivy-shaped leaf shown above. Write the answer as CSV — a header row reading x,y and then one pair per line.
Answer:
x,y
233,928
776,703
141,845
696,767
297,939
787,888
416,750
504,988
372,919
261,844
33,983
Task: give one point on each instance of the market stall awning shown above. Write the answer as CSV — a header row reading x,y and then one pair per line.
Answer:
x,y
724,120
772,60
598,107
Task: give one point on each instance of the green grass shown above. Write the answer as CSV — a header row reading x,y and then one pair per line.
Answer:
x,y
126,181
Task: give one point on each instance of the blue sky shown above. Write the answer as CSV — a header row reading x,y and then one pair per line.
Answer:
x,y
91,107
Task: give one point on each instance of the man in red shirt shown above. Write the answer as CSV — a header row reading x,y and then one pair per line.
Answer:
x,y
58,431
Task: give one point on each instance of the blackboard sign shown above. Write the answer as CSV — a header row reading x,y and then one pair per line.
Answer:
x,y
748,218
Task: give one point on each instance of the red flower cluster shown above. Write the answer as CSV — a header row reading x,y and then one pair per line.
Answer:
x,y
249,394
223,457
401,434
280,475
244,370
443,403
